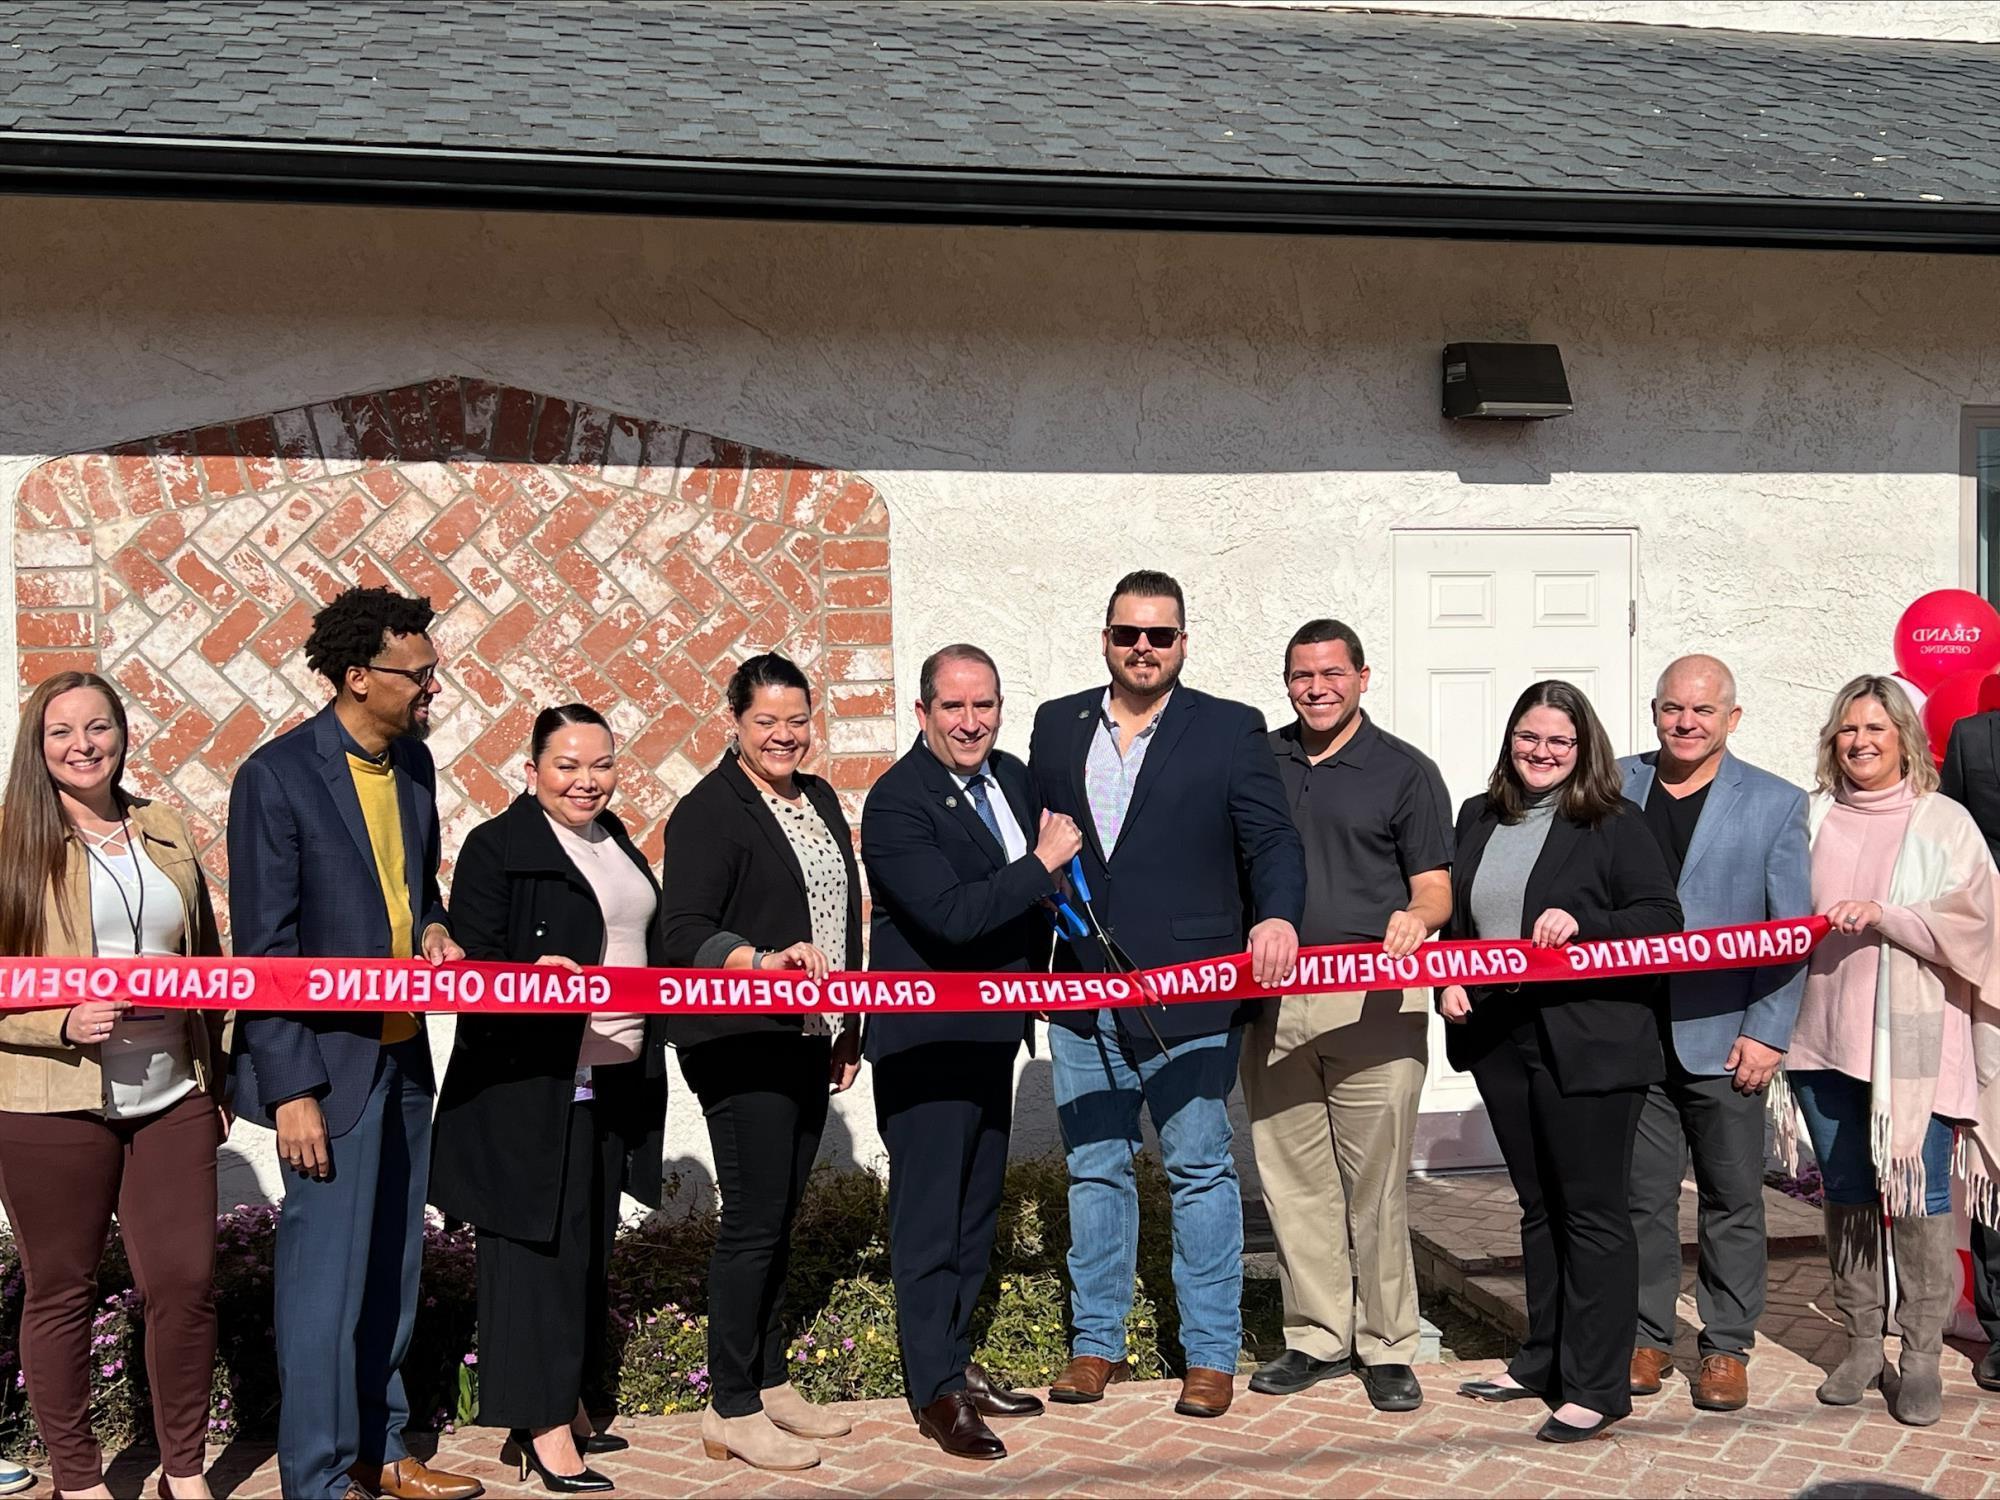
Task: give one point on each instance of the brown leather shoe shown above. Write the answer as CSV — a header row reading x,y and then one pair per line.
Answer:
x,y
1085,1377
411,1479
1722,1384
1206,1393
954,1424
1649,1368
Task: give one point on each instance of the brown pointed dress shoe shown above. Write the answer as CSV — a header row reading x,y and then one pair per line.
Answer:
x,y
1722,1384
1206,1393
990,1400
1085,1378
410,1479
954,1424
1649,1368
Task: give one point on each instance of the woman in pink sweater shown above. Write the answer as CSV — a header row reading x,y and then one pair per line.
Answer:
x,y
1881,1060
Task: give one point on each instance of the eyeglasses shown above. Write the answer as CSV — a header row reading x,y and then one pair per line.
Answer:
x,y
423,677
1555,744
1159,637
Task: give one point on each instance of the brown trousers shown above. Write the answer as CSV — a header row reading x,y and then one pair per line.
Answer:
x,y
62,1176
1331,1085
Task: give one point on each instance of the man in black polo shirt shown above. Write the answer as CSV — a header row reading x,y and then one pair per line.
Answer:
x,y
1331,1081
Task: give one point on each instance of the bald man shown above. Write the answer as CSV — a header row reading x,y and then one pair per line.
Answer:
x,y
1735,838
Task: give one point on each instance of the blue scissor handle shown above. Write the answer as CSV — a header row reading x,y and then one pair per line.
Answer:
x,y
1076,877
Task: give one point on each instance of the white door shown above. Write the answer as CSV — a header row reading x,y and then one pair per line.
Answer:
x,y
1478,616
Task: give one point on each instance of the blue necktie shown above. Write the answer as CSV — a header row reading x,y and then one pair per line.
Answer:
x,y
976,790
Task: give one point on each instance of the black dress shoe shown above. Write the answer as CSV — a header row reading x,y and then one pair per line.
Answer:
x,y
955,1425
1986,1374
1553,1431
990,1400
1292,1372
1487,1390
1391,1387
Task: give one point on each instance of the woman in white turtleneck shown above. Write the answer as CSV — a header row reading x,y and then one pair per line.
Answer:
x,y
548,1113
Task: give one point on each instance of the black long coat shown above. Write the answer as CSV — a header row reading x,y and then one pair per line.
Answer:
x,y
1598,1034
503,1112
731,878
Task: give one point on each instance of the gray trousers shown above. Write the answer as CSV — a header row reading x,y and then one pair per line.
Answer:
x,y
1703,1119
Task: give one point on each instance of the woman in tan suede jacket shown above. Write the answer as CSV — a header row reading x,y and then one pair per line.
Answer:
x,y
105,1108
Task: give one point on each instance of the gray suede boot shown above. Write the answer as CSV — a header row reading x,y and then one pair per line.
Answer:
x,y
1927,1281
1854,1250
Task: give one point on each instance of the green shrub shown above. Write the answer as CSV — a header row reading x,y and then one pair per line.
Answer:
x,y
840,1302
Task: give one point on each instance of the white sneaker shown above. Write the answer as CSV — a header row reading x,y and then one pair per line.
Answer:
x,y
14,1478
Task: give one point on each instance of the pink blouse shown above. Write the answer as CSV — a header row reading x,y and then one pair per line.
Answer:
x,y
1853,859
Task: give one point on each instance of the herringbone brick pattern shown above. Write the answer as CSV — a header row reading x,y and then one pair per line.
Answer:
x,y
571,552
1326,1442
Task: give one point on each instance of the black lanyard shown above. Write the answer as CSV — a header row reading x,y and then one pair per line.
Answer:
x,y
137,920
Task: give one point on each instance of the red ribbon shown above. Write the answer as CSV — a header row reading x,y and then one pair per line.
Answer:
x,y
378,984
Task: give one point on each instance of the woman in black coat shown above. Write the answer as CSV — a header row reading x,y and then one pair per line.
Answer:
x,y
1552,852
759,873
543,1119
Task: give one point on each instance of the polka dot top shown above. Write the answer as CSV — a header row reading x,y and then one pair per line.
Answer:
x,y
818,853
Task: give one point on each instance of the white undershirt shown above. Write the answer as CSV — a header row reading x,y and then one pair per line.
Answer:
x,y
145,1059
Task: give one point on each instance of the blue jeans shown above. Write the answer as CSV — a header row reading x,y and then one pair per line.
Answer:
x,y
1836,1115
1101,1079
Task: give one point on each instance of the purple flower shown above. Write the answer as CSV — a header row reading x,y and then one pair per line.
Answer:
x,y
847,1343
472,1359
107,1371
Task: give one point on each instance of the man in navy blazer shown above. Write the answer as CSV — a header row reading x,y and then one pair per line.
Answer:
x,y
1735,839
1189,852
333,852
959,857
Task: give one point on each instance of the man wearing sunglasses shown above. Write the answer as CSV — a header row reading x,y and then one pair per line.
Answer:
x,y
1183,817
333,852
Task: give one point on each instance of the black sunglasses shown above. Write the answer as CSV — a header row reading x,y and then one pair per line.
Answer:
x,y
1159,637
423,677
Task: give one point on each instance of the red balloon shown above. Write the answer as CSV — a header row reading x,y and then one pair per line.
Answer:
x,y
1951,700
1946,632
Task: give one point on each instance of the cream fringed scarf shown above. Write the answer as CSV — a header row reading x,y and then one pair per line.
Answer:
x,y
1945,876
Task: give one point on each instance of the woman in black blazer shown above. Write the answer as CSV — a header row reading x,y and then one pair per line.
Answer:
x,y
759,873
1552,852
544,1118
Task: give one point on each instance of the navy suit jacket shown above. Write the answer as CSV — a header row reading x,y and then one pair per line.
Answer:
x,y
1207,850
302,883
946,895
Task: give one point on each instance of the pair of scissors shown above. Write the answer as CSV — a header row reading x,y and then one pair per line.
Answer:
x,y
1070,925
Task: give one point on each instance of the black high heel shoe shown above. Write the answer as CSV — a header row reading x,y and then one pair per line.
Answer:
x,y
599,1442
1553,1431
520,1452
1487,1390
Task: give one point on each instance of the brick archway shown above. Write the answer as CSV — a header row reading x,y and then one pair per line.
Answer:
x,y
572,553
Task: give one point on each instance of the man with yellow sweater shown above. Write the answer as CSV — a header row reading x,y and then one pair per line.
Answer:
x,y
333,852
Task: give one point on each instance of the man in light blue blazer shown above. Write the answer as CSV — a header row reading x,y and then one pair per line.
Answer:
x,y
1735,838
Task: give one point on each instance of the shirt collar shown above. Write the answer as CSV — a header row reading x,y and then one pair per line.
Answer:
x,y
1353,753
353,746
1105,719
965,779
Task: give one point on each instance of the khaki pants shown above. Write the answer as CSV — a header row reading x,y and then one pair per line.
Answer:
x,y
1331,1084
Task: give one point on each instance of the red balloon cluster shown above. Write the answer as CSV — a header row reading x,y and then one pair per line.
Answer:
x,y
1947,647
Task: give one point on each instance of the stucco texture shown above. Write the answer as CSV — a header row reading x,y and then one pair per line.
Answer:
x,y
1042,411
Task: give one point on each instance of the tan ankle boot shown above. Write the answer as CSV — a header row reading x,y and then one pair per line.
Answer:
x,y
791,1411
1854,1250
1927,1276
754,1440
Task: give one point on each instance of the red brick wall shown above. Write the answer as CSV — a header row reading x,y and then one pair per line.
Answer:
x,y
572,553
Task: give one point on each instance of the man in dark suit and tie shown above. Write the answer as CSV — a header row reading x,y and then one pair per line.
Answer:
x,y
1972,779
333,852
1190,853
959,855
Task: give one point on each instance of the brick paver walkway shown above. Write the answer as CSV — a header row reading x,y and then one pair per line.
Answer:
x,y
1327,1442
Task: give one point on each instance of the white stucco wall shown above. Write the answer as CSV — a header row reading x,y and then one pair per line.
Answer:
x,y
1923,20
1045,410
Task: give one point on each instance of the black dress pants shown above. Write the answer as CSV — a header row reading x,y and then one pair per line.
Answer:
x,y
944,1110
542,1305
1570,1158
1986,1279
764,1096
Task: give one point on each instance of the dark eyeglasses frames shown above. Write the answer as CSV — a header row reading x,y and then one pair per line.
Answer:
x,y
1159,637
423,677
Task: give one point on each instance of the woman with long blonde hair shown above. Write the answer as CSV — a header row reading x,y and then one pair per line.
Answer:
x,y
1882,1061
105,1108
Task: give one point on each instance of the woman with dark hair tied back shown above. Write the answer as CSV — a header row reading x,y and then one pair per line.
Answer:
x,y
546,1115
1551,852
760,873
105,1108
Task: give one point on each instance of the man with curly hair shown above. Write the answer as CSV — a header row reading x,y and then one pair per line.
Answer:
x,y
333,852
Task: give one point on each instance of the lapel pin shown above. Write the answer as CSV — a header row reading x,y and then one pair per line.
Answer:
x,y
951,802
1083,713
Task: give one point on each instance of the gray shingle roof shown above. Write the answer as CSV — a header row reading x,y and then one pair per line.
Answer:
x,y
1070,86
